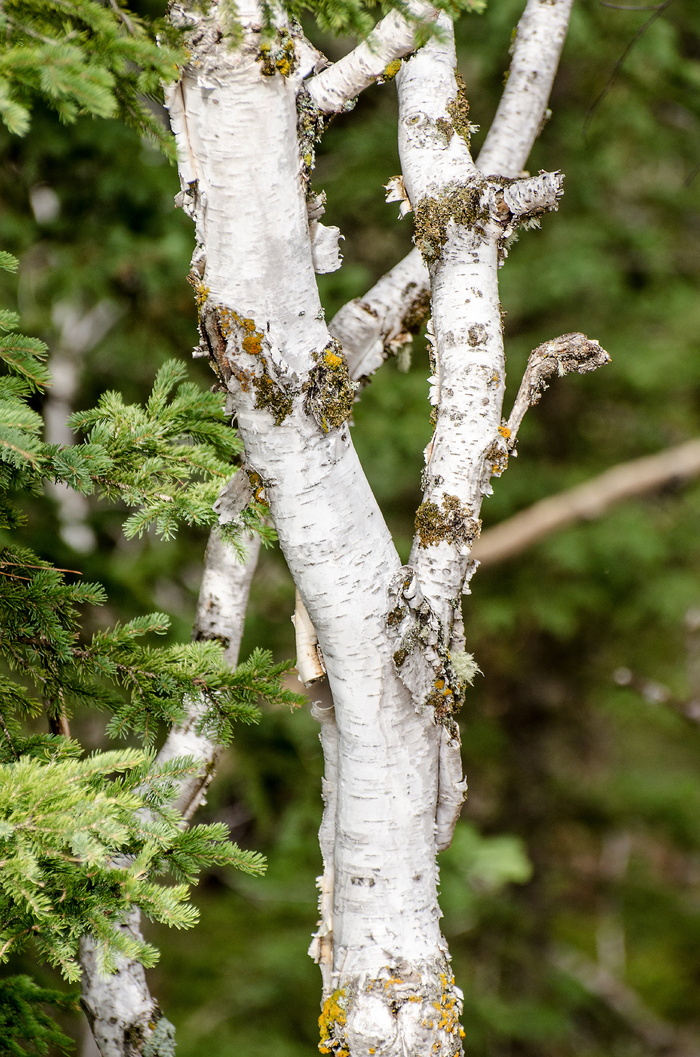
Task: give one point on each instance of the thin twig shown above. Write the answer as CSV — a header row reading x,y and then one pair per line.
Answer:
x,y
657,12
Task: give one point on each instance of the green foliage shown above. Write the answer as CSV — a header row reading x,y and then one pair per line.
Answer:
x,y
81,841
81,57
157,452
360,16
26,1030
84,841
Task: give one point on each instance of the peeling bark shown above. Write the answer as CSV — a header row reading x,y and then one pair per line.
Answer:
x,y
385,964
390,636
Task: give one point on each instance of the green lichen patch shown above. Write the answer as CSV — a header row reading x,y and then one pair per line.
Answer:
x,y
161,1043
458,110
237,349
269,396
454,523
446,129
278,55
329,390
465,206
418,309
310,126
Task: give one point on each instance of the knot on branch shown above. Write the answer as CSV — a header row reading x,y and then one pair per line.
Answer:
x,y
329,390
521,203
487,207
241,353
560,356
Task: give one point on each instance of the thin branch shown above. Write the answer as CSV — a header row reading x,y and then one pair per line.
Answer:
x,y
523,107
374,327
657,12
658,694
656,1034
570,352
335,87
626,7
587,501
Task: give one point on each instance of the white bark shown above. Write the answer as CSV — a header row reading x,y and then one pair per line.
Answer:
x,y
462,221
523,108
373,327
374,60
78,333
261,319
369,327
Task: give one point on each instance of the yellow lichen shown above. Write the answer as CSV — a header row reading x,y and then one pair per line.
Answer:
x,y
504,431
391,70
333,1017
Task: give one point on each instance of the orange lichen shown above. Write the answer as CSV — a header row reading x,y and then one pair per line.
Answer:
x,y
252,344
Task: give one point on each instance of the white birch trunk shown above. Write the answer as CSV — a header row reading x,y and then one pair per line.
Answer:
x,y
388,986
245,117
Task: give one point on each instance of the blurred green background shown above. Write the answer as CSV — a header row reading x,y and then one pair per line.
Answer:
x,y
572,892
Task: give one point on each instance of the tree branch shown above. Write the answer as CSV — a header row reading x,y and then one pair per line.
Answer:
x,y
570,352
373,327
523,108
587,501
372,61
121,1011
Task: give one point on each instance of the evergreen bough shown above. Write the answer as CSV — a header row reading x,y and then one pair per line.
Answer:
x,y
84,840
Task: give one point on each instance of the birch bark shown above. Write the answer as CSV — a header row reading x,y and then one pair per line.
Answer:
x,y
388,987
246,113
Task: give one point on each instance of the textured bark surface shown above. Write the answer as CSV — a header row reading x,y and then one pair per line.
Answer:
x,y
384,959
246,114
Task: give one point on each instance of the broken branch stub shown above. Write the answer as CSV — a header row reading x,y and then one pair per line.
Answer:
x,y
560,356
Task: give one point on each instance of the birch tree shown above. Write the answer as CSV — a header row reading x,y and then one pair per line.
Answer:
x,y
246,113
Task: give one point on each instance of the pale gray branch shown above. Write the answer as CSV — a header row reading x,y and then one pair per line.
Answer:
x,y
523,108
656,1034
587,501
335,87
373,327
122,1013
560,356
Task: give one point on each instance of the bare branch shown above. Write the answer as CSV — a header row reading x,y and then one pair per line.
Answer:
x,y
587,501
370,62
523,107
656,1034
570,352
120,1004
373,327
657,12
